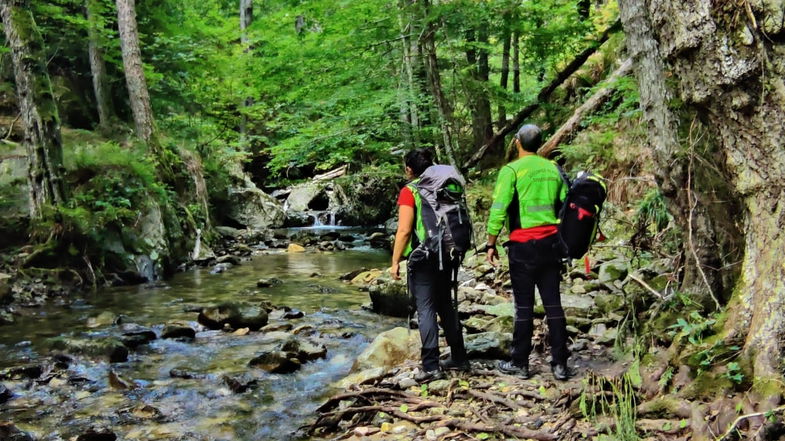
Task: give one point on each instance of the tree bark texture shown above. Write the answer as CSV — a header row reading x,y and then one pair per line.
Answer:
x,y
134,70
103,98
428,49
701,275
728,62
516,63
37,105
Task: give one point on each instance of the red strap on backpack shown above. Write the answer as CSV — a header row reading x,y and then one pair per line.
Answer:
x,y
586,265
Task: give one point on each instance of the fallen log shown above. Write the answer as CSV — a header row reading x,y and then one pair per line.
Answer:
x,y
332,174
589,106
543,95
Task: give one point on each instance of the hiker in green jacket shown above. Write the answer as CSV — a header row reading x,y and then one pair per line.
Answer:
x,y
527,197
427,282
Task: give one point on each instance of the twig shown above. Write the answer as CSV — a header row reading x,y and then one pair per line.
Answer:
x,y
514,432
646,285
11,127
698,263
741,418
493,398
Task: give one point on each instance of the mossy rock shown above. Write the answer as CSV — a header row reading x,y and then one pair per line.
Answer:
x,y
109,348
236,315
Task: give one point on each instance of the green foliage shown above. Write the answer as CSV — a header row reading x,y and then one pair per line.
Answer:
x,y
620,405
652,211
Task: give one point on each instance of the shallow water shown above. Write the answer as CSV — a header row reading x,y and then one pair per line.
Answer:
x,y
195,408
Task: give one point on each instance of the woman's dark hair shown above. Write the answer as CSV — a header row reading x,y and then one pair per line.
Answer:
x,y
418,160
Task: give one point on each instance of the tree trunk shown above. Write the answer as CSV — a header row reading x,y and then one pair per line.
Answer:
x,y
134,70
482,125
428,48
590,105
505,73
727,66
103,98
543,95
410,119
701,277
246,18
516,63
37,105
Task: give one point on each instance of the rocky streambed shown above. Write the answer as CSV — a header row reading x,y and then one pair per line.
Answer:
x,y
242,353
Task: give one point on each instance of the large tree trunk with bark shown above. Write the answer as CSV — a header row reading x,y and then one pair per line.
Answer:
x,y
505,73
701,276
37,106
482,124
727,62
103,98
134,70
516,63
246,18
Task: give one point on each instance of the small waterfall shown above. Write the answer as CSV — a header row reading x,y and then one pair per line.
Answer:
x,y
198,245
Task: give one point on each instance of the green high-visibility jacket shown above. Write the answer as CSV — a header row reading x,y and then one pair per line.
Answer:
x,y
419,227
525,195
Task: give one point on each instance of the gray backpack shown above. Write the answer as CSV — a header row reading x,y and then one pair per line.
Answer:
x,y
448,229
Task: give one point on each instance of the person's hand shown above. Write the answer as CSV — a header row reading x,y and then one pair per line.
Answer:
x,y
492,256
395,270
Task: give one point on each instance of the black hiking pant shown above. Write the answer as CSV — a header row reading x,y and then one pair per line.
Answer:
x,y
537,262
431,290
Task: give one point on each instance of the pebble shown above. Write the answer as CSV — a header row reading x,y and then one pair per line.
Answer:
x,y
407,383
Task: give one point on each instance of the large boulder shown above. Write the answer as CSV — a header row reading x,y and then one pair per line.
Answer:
x,y
370,197
479,324
389,349
254,209
613,270
390,297
235,315
489,345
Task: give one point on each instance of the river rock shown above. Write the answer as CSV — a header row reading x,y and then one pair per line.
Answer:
x,y
366,277
269,282
185,374
304,330
276,362
236,315
304,350
478,324
364,197
613,270
389,349
110,348
277,327
390,297
97,434
220,268
576,305
352,274
29,372
291,314
379,240
135,335
240,383
105,318
490,345
9,432
228,258
364,376
5,288
178,330
229,232
5,394
295,248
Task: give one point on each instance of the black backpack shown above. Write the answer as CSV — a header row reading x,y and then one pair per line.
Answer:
x,y
448,229
579,216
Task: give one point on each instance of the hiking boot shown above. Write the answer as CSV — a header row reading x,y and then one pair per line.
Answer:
x,y
426,376
561,372
511,368
453,365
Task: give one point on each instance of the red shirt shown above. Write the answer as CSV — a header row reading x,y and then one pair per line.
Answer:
x,y
534,233
406,197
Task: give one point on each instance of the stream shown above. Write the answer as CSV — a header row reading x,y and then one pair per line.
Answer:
x,y
71,400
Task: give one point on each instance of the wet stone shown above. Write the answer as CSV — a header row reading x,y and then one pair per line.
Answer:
x,y
304,330
220,268
269,282
97,434
29,372
184,374
178,330
135,335
239,383
5,394
293,314
276,362
9,432
277,327
228,258
110,348
235,315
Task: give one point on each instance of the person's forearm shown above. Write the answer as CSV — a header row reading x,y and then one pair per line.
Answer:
x,y
492,240
401,239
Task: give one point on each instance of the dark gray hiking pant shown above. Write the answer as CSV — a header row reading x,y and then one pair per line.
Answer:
x,y
430,288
